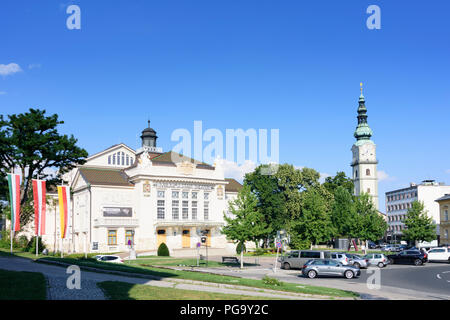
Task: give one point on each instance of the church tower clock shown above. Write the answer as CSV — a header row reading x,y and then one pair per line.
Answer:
x,y
364,162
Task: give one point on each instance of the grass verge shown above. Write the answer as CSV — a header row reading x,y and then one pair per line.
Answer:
x,y
22,285
115,290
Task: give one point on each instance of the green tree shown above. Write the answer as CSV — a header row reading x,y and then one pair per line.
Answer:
x,y
271,202
314,223
339,180
31,143
343,214
246,222
371,225
419,226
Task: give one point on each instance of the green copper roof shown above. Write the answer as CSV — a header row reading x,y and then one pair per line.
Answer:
x,y
363,131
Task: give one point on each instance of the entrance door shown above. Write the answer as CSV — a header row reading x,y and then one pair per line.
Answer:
x,y
186,239
208,238
160,237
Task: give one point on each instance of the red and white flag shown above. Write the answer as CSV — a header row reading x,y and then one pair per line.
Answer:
x,y
39,193
14,181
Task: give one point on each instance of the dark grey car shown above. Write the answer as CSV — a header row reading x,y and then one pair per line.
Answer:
x,y
329,267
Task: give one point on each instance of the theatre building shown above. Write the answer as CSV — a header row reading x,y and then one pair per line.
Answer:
x,y
146,197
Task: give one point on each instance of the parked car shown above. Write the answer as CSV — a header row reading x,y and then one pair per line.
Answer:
x,y
113,259
441,254
357,261
416,257
377,259
391,248
402,247
372,245
340,257
297,258
329,267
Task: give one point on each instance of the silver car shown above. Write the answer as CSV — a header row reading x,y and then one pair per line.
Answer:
x,y
377,259
297,258
329,267
340,257
357,261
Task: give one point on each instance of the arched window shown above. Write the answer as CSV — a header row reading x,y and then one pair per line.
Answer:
x,y
367,172
356,173
132,161
114,158
123,158
109,159
128,160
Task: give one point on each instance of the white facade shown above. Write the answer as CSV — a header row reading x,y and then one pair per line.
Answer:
x,y
145,197
364,166
399,201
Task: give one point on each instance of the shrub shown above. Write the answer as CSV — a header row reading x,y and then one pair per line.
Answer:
x,y
259,252
271,281
163,250
31,246
22,242
239,247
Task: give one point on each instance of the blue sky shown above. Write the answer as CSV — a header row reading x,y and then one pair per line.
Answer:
x,y
290,65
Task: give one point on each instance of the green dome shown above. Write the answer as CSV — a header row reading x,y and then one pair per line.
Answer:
x,y
363,131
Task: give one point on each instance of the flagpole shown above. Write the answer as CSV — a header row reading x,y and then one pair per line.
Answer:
x,y
37,233
11,207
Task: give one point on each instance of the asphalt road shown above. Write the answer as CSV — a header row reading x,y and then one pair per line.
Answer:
x,y
430,281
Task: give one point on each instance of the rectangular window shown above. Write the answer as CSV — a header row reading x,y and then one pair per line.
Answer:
x,y
161,194
194,195
185,195
194,210
175,209
175,194
445,215
129,237
112,237
185,210
206,210
206,195
160,209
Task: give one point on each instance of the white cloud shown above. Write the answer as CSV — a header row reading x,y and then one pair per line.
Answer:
x,y
383,176
7,69
233,170
2,93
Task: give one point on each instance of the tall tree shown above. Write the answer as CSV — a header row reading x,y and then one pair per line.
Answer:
x,y
31,143
246,223
419,226
372,225
314,223
340,179
343,214
271,202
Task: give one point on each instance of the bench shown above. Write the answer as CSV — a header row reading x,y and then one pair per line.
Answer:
x,y
230,259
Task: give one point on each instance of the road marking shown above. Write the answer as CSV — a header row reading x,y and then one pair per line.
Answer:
x,y
439,276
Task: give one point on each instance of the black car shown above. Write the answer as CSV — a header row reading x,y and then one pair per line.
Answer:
x,y
409,256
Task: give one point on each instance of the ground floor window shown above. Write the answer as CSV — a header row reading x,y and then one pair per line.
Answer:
x,y
112,237
129,237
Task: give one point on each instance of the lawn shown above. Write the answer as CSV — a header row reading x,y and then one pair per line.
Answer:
x,y
142,268
115,290
168,261
22,285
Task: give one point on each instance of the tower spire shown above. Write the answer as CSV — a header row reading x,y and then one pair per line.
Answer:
x,y
363,131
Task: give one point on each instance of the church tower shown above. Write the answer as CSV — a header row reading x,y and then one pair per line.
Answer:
x,y
364,162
